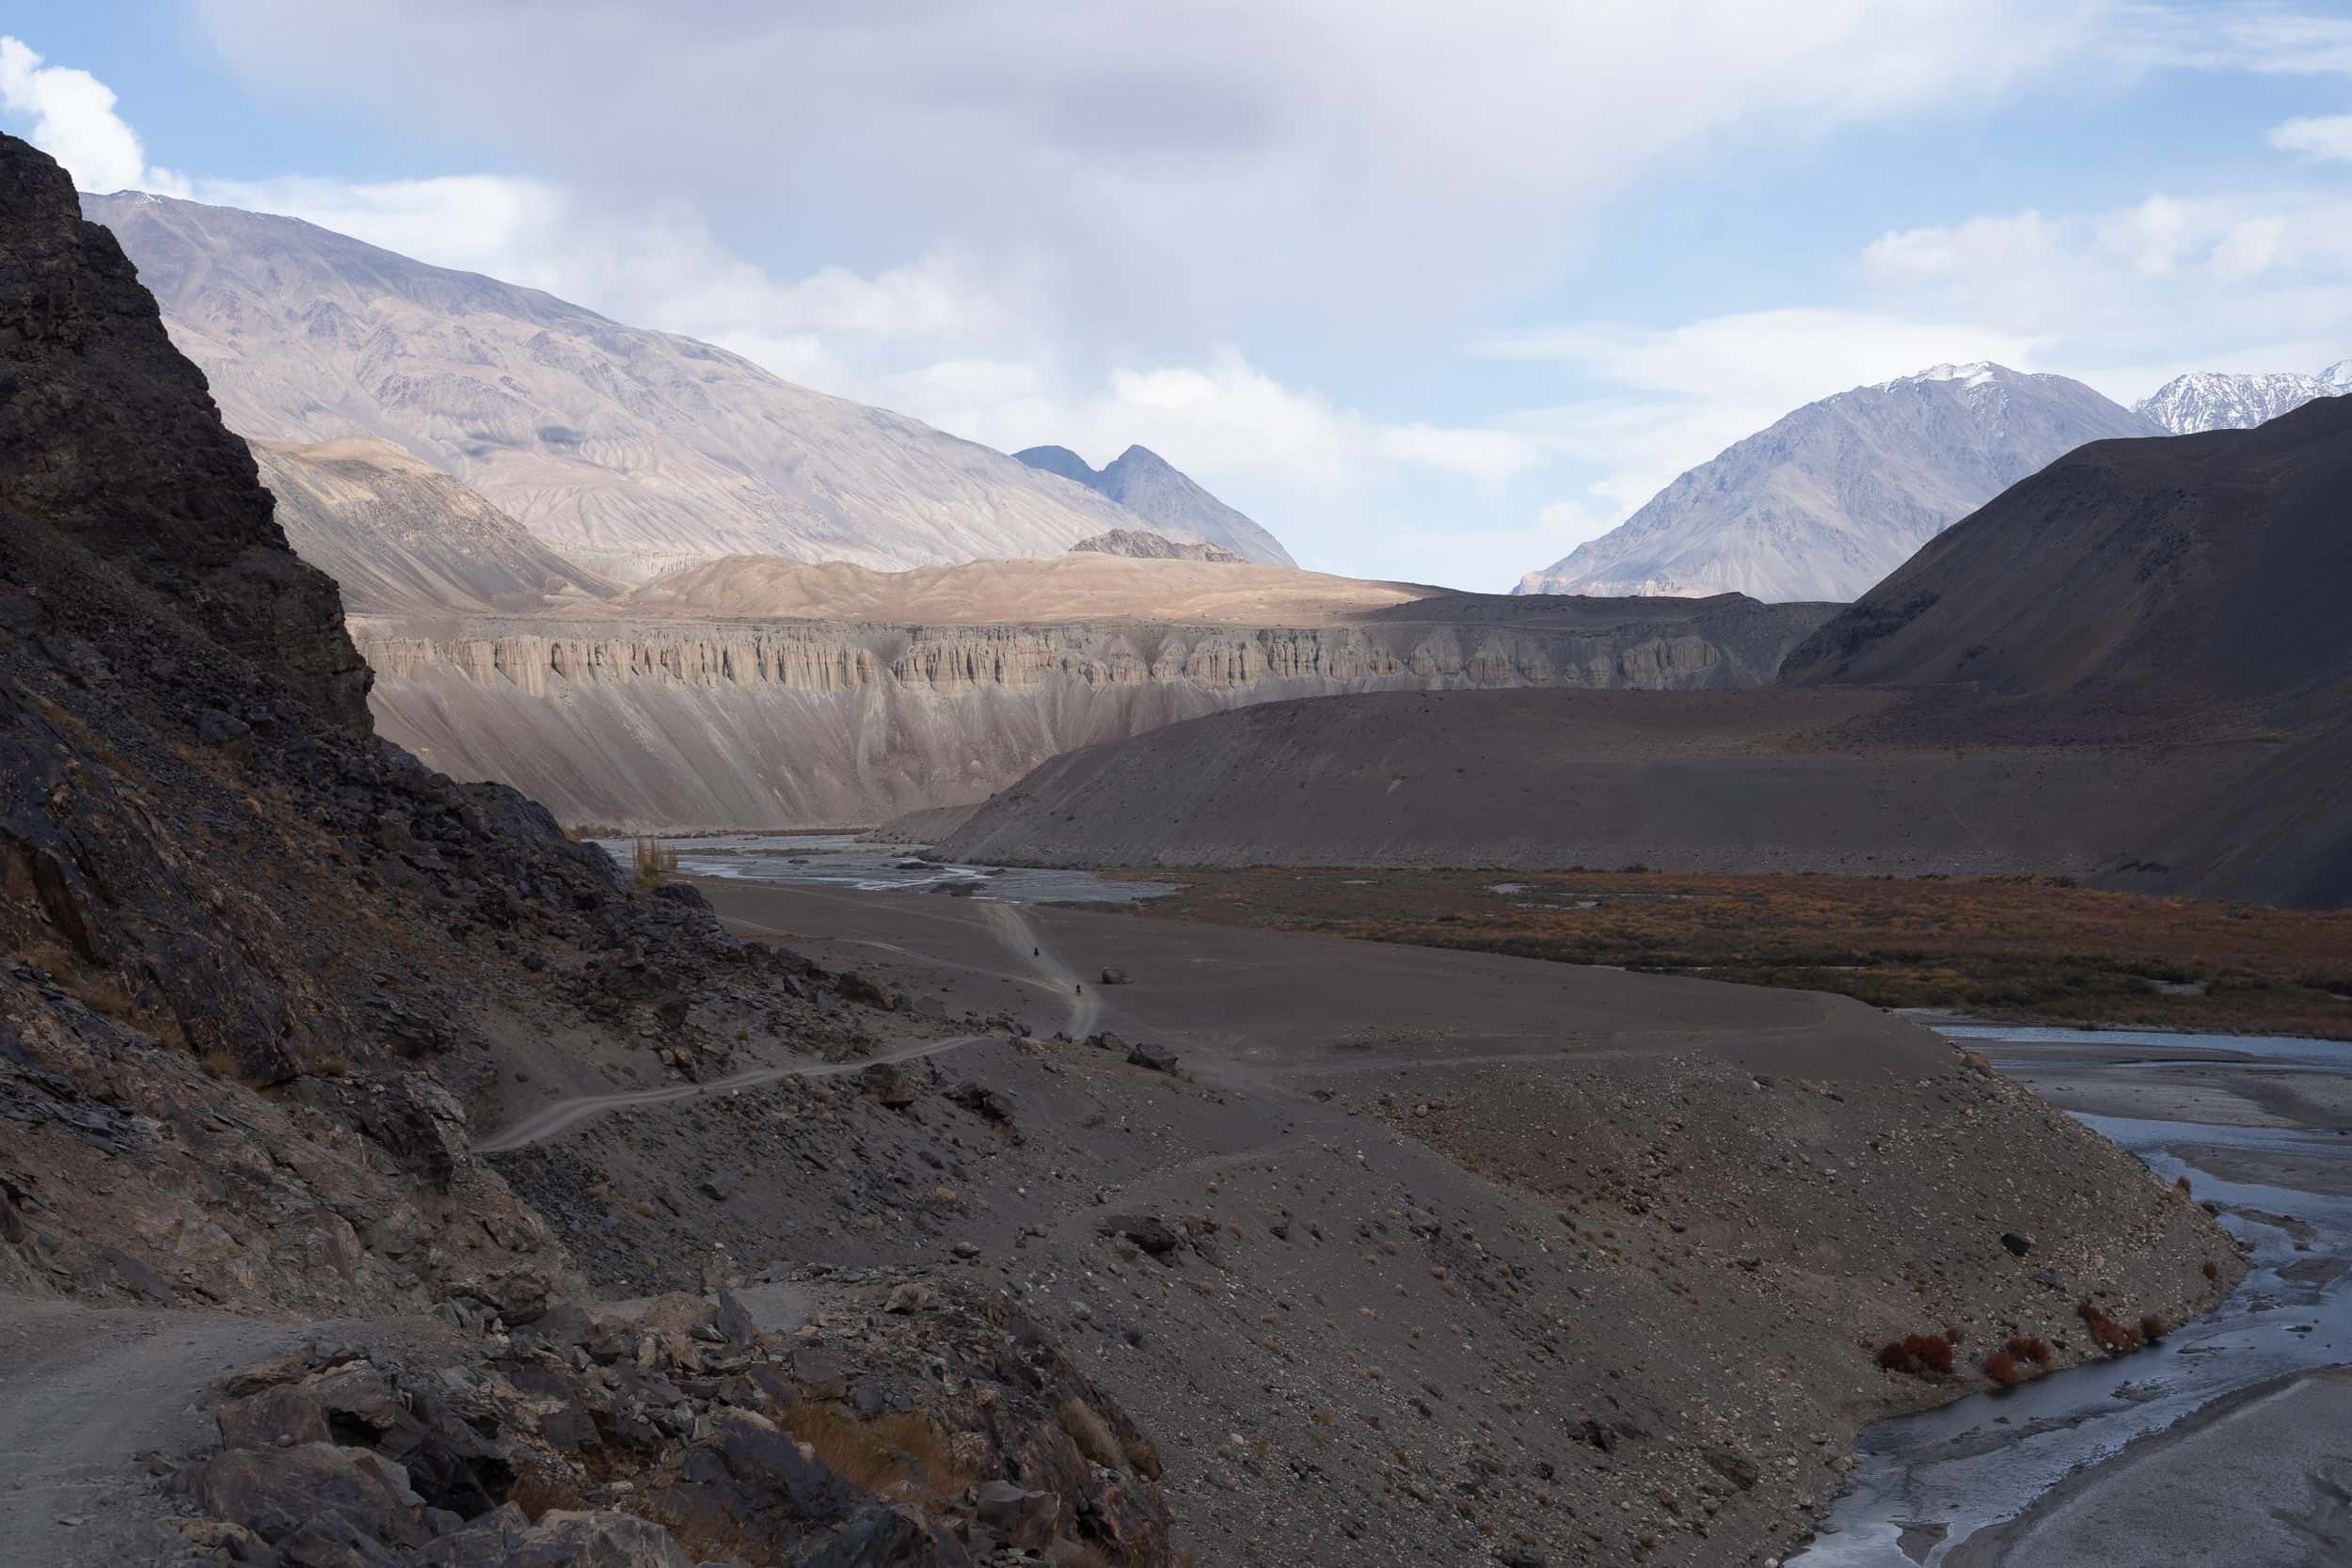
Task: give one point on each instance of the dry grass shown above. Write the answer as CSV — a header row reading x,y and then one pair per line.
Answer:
x,y
220,1064
2000,947
538,1489
1092,1434
881,1452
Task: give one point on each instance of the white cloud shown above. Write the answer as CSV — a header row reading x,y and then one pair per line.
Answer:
x,y
1191,168
1492,458
73,120
2322,136
2019,240
2251,278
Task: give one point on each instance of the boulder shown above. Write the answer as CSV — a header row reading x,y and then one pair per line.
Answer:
x,y
818,1375
734,1319
1155,1058
289,1411
330,1541
562,1539
1149,1232
1114,977
982,1101
893,1084
271,1491
293,1367
1025,1518
883,1537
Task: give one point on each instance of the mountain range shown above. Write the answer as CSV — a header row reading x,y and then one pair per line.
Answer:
x,y
2211,400
1832,497
2130,667
627,452
1142,481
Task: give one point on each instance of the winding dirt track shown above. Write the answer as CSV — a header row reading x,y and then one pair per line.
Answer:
x,y
1011,925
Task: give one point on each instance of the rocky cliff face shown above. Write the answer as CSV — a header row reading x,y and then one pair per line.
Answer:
x,y
782,724
260,972
110,439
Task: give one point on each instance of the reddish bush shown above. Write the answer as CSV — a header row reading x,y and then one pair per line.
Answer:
x,y
1918,1353
2034,1349
2181,1190
2213,1270
2001,1367
2111,1335
2151,1327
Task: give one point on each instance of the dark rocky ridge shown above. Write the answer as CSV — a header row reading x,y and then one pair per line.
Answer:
x,y
264,973
120,448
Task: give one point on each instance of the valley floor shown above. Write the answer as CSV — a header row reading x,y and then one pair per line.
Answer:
x,y
1424,1256
2011,948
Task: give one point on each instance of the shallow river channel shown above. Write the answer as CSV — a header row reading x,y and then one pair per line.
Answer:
x,y
2229,1444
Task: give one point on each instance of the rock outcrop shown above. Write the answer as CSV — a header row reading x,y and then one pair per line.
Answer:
x,y
681,724
1141,545
112,441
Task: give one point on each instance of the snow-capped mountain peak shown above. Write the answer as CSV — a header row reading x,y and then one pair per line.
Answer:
x,y
2216,400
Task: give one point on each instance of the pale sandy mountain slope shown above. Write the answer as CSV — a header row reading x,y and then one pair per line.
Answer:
x,y
625,451
1164,496
400,536
1836,495
1077,586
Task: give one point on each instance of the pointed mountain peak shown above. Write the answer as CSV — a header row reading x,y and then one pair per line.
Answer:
x,y
1141,457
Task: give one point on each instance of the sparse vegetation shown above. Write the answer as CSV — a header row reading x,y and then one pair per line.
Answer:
x,y
2029,1348
1999,947
2112,1336
881,1452
1920,1354
649,863
2001,1367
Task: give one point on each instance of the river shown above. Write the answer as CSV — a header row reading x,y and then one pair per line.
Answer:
x,y
2230,1442
845,861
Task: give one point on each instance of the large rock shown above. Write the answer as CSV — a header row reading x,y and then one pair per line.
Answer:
x,y
271,1491
108,436
561,1539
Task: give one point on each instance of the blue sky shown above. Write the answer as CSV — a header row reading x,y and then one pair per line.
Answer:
x,y
1433,292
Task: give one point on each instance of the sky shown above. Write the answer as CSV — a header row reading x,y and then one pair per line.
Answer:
x,y
1434,293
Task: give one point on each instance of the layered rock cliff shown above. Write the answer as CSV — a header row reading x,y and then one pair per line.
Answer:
x,y
656,724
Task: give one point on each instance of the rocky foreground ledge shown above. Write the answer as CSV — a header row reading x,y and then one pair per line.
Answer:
x,y
881,1419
